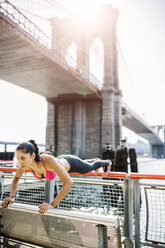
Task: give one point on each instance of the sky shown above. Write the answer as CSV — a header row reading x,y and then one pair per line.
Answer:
x,y
141,49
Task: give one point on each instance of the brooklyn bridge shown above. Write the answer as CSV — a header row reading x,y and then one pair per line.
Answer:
x,y
84,113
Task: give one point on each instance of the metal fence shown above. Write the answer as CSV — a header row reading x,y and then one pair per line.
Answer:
x,y
139,206
87,195
149,210
30,191
155,219
152,214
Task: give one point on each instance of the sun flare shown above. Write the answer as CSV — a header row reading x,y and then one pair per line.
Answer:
x,y
85,7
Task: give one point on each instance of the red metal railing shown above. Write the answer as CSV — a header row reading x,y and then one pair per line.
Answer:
x,y
146,176
91,174
111,175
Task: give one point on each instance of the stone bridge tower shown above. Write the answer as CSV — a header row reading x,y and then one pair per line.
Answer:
x,y
82,124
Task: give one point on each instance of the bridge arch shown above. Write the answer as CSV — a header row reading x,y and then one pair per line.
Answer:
x,y
71,55
96,59
84,33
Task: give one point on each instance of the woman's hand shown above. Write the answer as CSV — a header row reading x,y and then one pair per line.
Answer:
x,y
44,207
6,202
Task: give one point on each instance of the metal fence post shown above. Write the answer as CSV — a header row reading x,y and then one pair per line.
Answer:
x,y
1,189
102,236
5,243
128,208
49,190
137,212
1,226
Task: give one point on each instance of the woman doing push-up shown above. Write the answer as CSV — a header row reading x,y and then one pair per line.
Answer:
x,y
46,166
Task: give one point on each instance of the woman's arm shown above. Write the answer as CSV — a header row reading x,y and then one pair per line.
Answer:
x,y
14,186
65,178
62,193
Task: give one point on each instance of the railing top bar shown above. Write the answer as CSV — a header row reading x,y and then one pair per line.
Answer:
x,y
30,177
97,181
14,143
152,185
10,169
112,174
74,215
6,161
90,181
146,176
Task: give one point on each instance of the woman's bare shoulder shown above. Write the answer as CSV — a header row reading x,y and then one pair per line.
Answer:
x,y
47,158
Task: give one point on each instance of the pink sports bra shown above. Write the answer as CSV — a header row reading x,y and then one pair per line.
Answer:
x,y
50,175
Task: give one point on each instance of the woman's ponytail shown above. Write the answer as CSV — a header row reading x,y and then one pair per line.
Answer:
x,y
36,150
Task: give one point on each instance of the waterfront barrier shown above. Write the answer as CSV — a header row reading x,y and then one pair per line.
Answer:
x,y
137,200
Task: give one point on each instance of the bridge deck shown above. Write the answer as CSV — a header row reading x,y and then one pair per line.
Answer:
x,y
25,63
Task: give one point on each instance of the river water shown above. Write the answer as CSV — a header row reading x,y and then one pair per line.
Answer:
x,y
151,165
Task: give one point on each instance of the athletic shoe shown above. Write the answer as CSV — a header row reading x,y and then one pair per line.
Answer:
x,y
107,169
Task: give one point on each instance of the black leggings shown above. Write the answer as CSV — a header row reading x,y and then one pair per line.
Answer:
x,y
82,166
